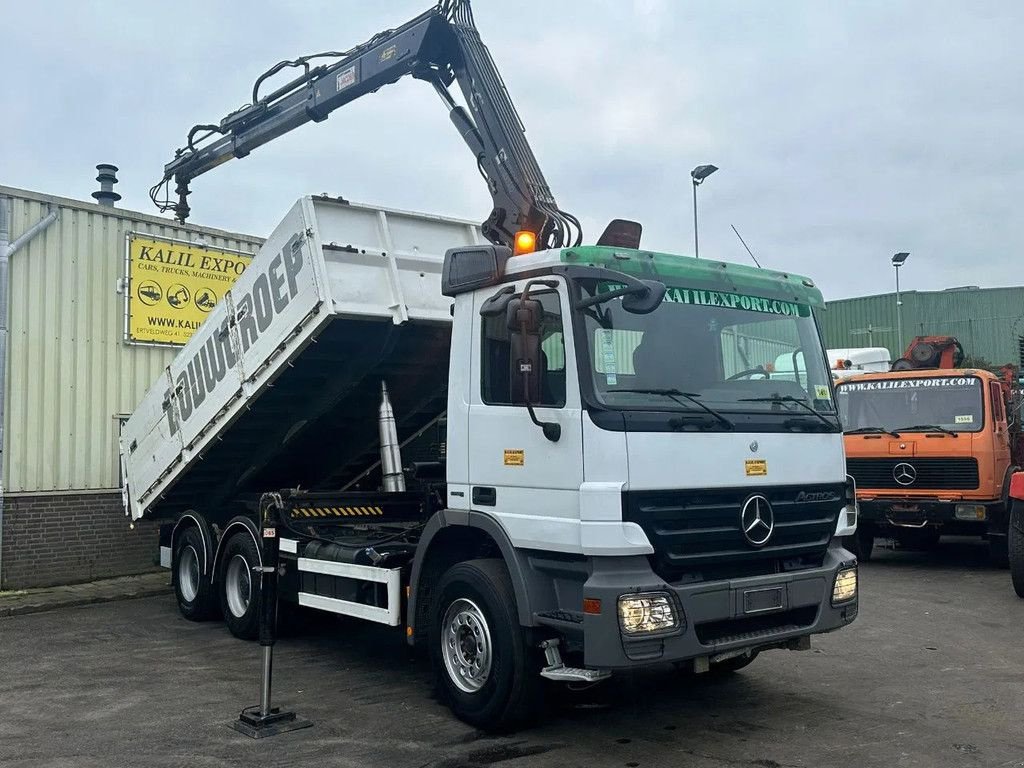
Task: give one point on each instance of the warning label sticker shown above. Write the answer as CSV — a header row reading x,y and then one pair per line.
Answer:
x,y
515,457
172,286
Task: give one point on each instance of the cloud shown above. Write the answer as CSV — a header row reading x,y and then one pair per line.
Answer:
x,y
844,132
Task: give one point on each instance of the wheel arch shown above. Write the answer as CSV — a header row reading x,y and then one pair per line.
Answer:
x,y
192,519
237,526
451,537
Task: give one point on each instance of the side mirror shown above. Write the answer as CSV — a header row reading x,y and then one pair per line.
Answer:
x,y
524,319
524,316
644,302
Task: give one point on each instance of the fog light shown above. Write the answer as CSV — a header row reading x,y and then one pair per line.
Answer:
x,y
845,588
647,612
969,512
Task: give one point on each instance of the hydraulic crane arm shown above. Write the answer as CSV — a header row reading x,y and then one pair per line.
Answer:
x,y
441,46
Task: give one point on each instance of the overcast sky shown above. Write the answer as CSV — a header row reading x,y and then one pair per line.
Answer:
x,y
844,131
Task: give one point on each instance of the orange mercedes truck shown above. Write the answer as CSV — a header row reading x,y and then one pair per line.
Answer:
x,y
932,452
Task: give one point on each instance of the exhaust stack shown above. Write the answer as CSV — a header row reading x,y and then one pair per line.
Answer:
x,y
390,451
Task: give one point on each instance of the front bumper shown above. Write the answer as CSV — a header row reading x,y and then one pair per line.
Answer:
x,y
714,619
915,513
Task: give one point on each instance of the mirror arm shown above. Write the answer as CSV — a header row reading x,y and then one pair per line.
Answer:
x,y
552,430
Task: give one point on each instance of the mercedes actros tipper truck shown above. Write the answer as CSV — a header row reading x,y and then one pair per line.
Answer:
x,y
542,459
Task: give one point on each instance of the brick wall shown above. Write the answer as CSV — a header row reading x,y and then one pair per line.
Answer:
x,y
68,538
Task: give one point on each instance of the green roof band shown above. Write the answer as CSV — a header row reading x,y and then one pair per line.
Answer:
x,y
672,269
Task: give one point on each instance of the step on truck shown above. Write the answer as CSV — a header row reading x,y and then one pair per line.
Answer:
x,y
541,460
932,447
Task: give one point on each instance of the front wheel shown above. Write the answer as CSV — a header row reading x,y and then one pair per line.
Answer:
x,y
1016,547
486,670
862,543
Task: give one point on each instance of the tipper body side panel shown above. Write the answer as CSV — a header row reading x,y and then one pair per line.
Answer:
x,y
280,385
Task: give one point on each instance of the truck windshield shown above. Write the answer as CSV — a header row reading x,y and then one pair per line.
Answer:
x,y
903,404
735,353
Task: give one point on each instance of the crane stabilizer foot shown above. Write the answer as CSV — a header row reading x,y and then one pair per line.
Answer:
x,y
257,726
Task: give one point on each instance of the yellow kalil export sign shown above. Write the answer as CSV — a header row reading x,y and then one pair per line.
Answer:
x,y
172,286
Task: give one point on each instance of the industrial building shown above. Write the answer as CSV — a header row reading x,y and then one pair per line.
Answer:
x,y
72,374
989,322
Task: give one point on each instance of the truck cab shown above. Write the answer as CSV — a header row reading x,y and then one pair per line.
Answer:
x,y
931,452
663,457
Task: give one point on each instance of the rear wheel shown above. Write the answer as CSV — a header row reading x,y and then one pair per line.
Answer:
x,y
192,587
239,586
486,670
1016,547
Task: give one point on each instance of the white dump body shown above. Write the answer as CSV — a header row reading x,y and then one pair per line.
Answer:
x,y
861,359
314,323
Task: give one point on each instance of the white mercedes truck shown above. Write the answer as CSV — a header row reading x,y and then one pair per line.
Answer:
x,y
541,460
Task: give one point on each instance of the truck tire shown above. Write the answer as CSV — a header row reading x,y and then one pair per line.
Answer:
x,y
192,587
239,587
486,671
1016,547
862,543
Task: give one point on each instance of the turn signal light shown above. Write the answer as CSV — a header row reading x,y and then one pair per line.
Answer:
x,y
526,242
592,605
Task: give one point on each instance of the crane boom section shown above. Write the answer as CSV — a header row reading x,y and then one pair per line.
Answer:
x,y
441,46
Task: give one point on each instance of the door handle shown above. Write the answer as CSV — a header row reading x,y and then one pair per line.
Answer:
x,y
484,495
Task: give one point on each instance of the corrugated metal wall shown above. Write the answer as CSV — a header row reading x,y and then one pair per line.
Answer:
x,y
987,321
69,372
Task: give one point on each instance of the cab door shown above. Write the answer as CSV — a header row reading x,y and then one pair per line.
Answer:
x,y
529,483
1000,434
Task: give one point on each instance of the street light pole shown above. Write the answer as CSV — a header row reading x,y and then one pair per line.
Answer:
x,y
897,261
698,175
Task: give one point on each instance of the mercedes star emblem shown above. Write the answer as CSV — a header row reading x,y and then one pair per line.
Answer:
x,y
757,520
904,473
754,446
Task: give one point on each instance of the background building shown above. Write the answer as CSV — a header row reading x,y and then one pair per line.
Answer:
x,y
989,322
70,378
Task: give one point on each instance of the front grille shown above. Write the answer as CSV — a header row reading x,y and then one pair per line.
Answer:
x,y
928,473
755,627
696,534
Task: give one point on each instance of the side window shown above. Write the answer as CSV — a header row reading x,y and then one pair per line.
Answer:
x,y
996,393
496,357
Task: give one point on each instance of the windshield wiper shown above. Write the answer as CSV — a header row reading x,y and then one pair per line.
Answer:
x,y
675,394
929,428
872,430
789,399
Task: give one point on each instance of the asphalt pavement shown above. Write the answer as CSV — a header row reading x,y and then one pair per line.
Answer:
x,y
930,674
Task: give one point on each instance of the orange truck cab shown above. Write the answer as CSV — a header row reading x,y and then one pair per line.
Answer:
x,y
932,452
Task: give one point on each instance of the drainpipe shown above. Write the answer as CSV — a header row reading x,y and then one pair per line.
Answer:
x,y
8,249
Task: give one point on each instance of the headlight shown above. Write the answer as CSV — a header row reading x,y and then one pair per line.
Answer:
x,y
969,512
646,612
845,588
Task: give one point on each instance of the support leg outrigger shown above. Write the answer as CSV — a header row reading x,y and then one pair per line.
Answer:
x,y
263,719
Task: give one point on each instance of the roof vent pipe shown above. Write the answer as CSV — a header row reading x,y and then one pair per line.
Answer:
x,y
107,178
